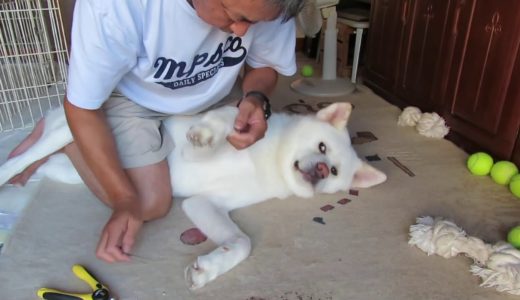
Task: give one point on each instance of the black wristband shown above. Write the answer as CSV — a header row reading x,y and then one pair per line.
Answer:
x,y
266,103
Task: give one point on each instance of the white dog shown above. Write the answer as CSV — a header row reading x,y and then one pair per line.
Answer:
x,y
300,155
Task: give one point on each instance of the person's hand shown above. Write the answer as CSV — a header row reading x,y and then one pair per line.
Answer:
x,y
118,236
250,124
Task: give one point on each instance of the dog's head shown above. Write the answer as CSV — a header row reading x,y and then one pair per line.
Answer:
x,y
318,157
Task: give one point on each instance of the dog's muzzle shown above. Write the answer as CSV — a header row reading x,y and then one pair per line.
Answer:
x,y
314,173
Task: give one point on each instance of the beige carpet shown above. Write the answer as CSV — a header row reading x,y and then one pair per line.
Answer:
x,y
361,251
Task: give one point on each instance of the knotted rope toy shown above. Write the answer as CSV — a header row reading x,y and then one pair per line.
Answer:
x,y
497,265
428,124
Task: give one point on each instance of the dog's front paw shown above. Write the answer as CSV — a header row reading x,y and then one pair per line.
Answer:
x,y
197,275
200,136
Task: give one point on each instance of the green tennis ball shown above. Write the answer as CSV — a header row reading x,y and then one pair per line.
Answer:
x,y
307,71
502,171
480,163
513,237
514,185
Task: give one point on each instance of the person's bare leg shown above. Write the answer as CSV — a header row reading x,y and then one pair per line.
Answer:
x,y
29,140
151,182
22,178
154,187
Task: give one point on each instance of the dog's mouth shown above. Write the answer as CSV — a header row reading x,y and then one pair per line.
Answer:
x,y
314,172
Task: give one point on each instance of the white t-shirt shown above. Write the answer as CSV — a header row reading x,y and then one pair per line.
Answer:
x,y
161,55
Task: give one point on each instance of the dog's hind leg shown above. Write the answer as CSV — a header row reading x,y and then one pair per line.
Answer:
x,y
56,135
234,245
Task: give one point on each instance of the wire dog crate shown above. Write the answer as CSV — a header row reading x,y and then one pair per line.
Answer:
x,y
33,58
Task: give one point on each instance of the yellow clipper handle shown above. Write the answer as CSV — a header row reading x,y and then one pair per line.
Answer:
x,y
82,274
51,294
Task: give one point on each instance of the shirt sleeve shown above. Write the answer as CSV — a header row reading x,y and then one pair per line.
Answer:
x,y
104,47
274,46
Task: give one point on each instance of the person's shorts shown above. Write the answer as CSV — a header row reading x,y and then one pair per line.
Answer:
x,y
139,134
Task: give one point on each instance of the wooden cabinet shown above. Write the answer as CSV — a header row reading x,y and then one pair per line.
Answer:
x,y
460,58
381,55
424,23
482,98
516,152
403,54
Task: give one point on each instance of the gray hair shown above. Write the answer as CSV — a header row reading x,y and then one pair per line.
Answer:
x,y
289,8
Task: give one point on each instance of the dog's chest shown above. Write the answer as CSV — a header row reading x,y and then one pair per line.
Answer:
x,y
232,179
224,174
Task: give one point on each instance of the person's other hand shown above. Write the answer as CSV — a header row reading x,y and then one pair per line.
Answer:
x,y
250,124
118,236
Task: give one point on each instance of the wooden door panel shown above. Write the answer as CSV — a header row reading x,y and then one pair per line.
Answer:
x,y
487,46
516,152
382,46
458,57
419,63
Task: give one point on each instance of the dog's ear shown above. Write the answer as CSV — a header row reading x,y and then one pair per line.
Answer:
x,y
336,114
367,176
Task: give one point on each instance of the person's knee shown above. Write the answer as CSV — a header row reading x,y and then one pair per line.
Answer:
x,y
157,207
154,189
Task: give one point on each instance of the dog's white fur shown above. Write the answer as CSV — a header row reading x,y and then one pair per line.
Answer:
x,y
300,155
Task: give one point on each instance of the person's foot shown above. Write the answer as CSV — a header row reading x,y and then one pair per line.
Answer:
x,y
34,136
22,178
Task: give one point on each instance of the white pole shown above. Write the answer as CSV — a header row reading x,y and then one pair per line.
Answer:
x,y
330,48
357,50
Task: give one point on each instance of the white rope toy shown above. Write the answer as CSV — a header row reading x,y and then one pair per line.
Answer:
x,y
409,116
432,125
497,265
428,124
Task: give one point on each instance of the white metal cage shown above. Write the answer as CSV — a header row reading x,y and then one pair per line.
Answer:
x,y
33,58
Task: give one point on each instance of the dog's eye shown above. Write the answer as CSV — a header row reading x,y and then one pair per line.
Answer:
x,y
322,148
334,171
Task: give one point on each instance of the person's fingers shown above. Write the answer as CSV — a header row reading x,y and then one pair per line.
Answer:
x,y
250,126
243,140
113,246
244,114
256,129
238,140
100,250
109,248
129,236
